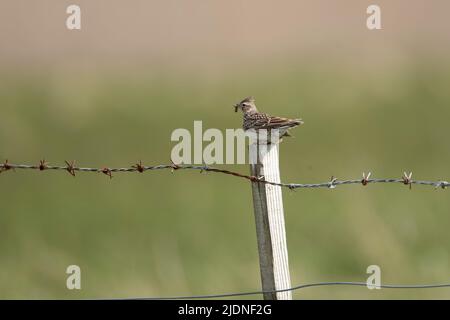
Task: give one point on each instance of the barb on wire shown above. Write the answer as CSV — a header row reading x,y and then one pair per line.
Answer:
x,y
42,165
70,167
139,167
5,166
407,179
365,178
332,182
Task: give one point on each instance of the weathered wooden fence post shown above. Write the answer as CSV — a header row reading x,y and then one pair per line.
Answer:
x,y
269,219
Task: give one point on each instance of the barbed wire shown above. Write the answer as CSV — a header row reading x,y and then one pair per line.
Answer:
x,y
71,168
299,287
405,179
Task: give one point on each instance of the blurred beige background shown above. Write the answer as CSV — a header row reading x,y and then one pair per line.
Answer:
x,y
213,35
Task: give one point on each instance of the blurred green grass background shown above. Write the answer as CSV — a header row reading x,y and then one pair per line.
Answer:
x,y
163,234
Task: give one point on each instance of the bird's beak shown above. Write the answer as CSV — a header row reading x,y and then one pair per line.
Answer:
x,y
236,106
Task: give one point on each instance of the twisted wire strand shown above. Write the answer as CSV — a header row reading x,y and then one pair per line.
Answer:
x,y
295,288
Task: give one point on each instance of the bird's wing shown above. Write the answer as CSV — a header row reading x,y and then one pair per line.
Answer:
x,y
265,121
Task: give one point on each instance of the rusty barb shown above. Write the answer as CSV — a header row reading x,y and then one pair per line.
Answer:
x,y
139,167
365,178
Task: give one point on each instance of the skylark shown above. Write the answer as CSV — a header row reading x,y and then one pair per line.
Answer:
x,y
253,119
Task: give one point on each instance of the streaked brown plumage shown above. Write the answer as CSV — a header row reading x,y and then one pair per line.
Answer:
x,y
258,120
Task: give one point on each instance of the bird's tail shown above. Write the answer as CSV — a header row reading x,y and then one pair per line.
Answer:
x,y
295,122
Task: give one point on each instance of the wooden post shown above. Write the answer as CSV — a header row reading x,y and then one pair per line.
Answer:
x,y
269,219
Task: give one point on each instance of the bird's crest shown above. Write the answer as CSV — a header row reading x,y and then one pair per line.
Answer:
x,y
246,100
